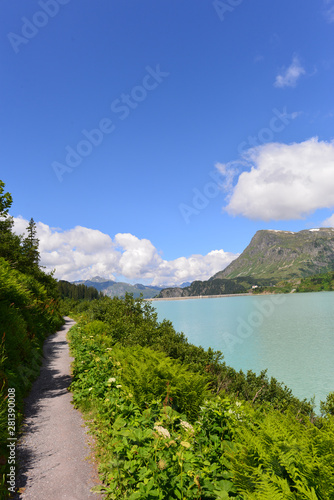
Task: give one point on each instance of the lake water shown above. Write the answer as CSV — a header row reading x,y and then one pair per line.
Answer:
x,y
290,335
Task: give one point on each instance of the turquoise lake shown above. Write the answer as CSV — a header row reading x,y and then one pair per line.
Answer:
x,y
290,335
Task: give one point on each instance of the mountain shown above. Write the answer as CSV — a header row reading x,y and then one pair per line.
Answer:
x,y
271,256
119,289
284,254
186,283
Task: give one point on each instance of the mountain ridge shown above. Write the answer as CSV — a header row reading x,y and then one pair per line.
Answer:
x,y
284,254
271,256
113,288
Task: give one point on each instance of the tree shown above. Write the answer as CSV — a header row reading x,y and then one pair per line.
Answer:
x,y
6,201
30,245
327,407
10,243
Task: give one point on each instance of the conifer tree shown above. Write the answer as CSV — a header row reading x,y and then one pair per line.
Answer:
x,y
30,245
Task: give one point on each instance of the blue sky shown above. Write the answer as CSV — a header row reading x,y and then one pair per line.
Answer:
x,y
150,140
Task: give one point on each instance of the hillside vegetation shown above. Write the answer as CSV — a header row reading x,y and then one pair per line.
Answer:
x,y
284,255
318,283
241,284
29,311
172,421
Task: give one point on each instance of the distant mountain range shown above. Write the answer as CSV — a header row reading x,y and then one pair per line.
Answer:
x,y
119,289
271,256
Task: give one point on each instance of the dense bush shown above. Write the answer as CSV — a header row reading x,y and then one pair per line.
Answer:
x,y
133,322
148,375
224,447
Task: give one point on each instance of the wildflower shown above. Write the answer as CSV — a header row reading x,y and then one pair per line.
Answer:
x,y
186,426
111,379
231,412
162,431
238,403
185,444
118,386
162,464
90,389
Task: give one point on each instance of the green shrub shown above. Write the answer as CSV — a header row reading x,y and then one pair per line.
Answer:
x,y
150,376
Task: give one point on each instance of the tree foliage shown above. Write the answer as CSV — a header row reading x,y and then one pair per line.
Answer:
x,y
77,292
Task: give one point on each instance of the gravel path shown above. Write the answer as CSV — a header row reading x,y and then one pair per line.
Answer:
x,y
54,447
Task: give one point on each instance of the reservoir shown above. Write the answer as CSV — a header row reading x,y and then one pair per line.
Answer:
x,y
291,335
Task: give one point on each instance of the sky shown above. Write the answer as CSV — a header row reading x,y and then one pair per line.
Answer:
x,y
150,140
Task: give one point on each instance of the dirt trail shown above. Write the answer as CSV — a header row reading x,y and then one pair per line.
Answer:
x,y
54,447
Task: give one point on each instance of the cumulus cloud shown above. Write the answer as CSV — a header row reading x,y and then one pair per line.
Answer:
x,y
290,75
195,267
81,253
328,222
285,181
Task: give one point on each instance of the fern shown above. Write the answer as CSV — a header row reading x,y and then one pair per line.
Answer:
x,y
280,455
149,374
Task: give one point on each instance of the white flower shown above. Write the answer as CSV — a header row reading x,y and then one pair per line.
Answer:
x,y
118,386
162,431
187,426
111,379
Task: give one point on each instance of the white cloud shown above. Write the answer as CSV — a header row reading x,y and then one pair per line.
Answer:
x,y
195,267
290,75
139,257
81,253
285,181
328,222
